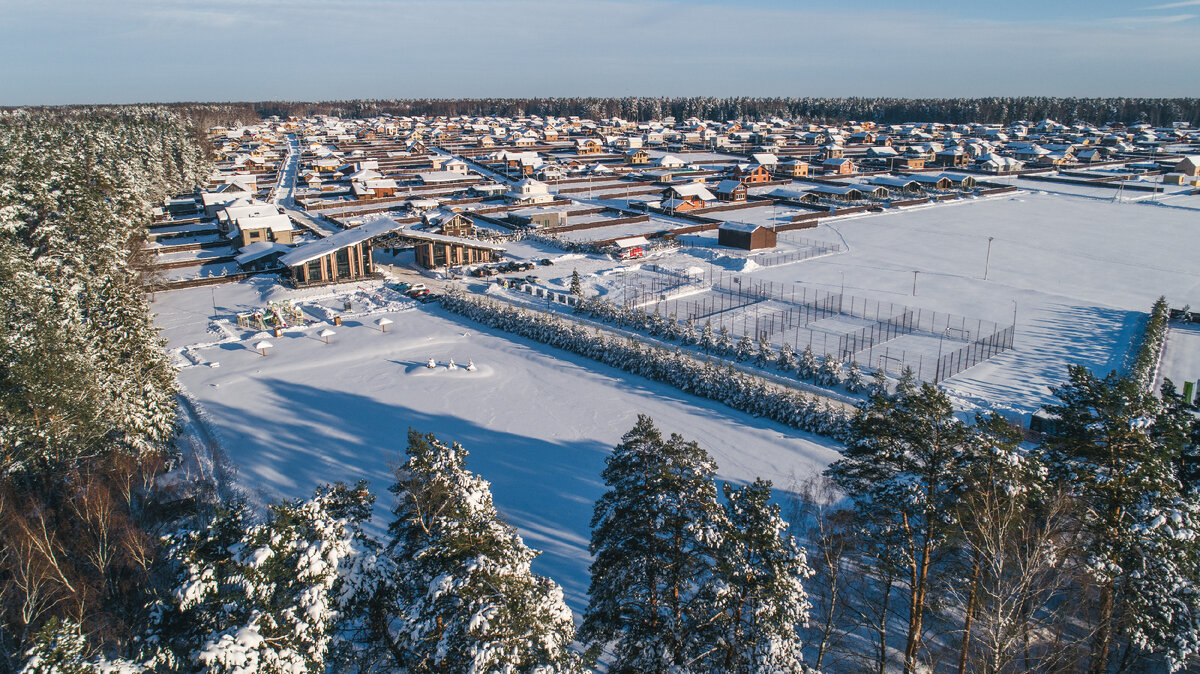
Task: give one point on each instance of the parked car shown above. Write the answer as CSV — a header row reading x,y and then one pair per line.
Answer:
x,y
531,279
547,262
417,294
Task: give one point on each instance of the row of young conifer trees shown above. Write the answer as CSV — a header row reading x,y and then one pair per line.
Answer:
x,y
703,378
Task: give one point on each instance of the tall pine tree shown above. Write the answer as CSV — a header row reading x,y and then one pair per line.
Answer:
x,y
655,537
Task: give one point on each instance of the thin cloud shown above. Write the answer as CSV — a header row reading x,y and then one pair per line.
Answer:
x,y
1174,18
1176,5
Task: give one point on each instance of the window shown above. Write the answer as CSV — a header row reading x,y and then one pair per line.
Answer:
x,y
343,263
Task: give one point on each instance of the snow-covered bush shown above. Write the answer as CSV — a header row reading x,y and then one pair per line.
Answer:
x,y
703,378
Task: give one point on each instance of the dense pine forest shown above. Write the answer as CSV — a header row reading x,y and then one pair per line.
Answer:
x,y
930,544
997,110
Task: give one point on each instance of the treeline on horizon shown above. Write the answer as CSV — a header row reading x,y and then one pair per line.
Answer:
x,y
993,110
988,110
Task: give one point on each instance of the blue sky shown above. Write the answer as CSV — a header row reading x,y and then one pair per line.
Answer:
x,y
121,51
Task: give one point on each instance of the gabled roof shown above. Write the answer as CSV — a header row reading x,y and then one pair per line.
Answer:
x,y
692,190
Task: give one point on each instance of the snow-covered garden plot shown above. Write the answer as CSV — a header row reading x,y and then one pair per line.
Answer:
x,y
1079,274
537,421
1181,356
612,232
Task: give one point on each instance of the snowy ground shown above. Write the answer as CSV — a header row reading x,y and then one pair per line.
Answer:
x,y
1079,274
1181,357
538,422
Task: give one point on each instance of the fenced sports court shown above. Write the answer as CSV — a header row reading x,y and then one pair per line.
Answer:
x,y
878,335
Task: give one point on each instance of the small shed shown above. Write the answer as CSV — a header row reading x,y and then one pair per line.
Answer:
x,y
745,235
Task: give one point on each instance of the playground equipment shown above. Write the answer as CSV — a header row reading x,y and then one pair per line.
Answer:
x,y
275,315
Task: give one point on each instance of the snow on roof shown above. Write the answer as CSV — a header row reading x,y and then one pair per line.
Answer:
x,y
342,239
693,190
739,226
891,181
277,222
727,186
834,189
631,242
441,177
259,249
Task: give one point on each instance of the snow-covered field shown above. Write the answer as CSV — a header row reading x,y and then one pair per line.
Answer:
x,y
538,422
1078,274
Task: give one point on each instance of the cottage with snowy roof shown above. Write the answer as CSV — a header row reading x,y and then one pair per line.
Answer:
x,y
731,190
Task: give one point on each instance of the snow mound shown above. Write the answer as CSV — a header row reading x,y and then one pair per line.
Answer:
x,y
750,265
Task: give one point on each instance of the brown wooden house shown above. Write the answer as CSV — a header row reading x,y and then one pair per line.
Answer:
x,y
745,236
731,190
752,174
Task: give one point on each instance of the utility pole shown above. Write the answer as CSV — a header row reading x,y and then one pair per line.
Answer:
x,y
988,259
915,283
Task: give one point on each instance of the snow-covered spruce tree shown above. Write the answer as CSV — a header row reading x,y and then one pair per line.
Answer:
x,y
576,284
1139,543
787,360
655,537
763,353
688,335
673,330
808,365
900,470
708,340
855,382
724,342
264,596
460,596
744,349
829,373
906,385
762,595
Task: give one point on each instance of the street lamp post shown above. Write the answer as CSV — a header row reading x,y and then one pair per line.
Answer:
x,y
987,261
915,283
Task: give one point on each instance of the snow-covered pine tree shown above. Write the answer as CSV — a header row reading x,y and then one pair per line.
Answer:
x,y
906,385
900,470
576,284
762,597
787,360
707,338
1104,450
745,348
829,373
808,365
460,596
763,353
264,596
855,381
655,536
724,342
688,335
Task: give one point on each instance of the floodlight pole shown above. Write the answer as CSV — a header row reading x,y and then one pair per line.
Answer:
x,y
987,261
